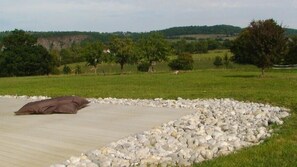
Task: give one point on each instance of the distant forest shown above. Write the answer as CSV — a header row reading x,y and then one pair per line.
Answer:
x,y
189,30
104,37
169,33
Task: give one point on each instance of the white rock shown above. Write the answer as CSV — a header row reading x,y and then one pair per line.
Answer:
x,y
58,165
218,127
74,160
207,154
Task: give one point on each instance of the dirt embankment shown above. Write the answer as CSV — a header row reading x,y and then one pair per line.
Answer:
x,y
61,42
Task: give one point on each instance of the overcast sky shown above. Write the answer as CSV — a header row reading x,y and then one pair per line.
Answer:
x,y
139,15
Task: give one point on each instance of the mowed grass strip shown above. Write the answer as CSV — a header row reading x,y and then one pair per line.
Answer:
x,y
277,88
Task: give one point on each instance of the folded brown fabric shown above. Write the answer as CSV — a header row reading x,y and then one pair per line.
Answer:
x,y
65,105
67,108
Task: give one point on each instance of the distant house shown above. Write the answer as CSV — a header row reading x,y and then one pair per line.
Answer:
x,y
106,51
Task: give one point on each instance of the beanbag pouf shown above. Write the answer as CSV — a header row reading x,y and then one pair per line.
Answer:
x,y
63,105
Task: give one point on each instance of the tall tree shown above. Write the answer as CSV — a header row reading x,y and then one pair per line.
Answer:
x,y
153,48
94,54
240,49
180,46
66,56
122,51
21,56
291,57
262,43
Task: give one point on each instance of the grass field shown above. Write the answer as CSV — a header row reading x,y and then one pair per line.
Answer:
x,y
277,87
201,61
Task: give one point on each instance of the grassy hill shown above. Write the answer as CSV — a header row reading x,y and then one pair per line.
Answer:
x,y
66,39
290,31
174,31
189,30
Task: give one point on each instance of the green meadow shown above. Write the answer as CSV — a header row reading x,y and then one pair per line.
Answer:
x,y
201,61
278,87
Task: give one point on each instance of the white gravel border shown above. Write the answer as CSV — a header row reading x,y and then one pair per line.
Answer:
x,y
219,127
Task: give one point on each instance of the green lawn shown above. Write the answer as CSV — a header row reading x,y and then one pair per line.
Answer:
x,y
277,88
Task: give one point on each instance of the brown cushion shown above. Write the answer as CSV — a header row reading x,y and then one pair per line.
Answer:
x,y
38,107
65,104
80,102
67,109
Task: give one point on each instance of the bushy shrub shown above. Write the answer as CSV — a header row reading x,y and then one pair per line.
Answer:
x,y
226,60
77,69
144,67
66,69
218,61
56,71
184,61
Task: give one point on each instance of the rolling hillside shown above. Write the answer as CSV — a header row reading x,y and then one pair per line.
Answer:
x,y
189,30
59,40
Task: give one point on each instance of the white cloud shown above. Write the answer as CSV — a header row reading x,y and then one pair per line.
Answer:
x,y
139,15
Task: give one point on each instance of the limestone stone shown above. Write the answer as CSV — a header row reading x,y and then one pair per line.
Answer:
x,y
219,126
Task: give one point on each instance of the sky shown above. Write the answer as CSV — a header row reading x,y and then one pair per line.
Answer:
x,y
139,15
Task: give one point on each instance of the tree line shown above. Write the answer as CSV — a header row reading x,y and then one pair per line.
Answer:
x,y
168,33
22,56
189,30
199,46
263,43
76,53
